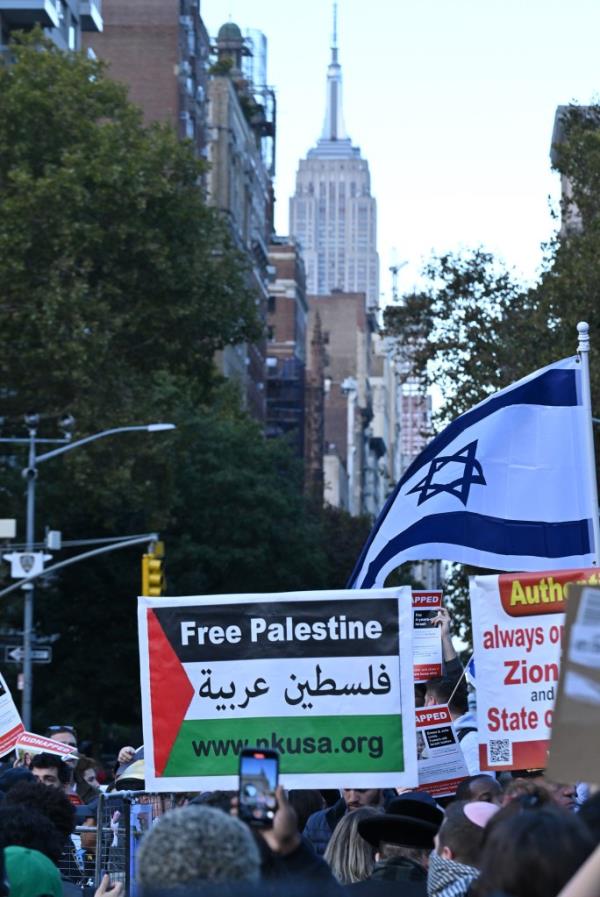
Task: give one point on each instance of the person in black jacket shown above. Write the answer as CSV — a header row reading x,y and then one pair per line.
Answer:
x,y
403,838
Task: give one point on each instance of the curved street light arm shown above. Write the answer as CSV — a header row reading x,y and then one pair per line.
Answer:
x,y
138,540
147,428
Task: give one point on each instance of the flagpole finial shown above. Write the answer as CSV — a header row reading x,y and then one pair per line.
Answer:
x,y
583,329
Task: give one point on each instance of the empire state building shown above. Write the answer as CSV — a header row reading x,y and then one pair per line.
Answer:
x,y
332,213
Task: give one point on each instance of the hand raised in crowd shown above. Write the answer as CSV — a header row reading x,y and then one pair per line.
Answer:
x,y
444,621
114,827
106,889
126,754
283,836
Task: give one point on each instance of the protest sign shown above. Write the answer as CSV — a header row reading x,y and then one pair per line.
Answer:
x,y
10,721
427,638
440,760
14,737
323,678
28,744
518,623
574,745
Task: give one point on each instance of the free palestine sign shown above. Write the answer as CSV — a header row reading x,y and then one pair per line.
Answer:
x,y
323,678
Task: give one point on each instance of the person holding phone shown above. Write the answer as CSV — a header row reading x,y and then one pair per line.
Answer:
x,y
264,805
259,775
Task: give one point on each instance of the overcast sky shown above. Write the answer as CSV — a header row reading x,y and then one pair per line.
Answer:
x,y
451,101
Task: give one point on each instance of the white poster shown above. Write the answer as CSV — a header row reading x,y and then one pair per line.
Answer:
x,y
323,678
518,622
440,760
427,638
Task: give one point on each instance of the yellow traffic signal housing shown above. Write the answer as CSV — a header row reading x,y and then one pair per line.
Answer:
x,y
153,576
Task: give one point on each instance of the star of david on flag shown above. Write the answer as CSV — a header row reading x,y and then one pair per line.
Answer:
x,y
505,486
460,487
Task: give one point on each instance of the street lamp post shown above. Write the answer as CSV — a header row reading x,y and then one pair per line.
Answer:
x,y
30,474
350,390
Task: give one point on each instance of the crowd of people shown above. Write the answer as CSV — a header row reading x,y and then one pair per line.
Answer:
x,y
508,835
518,835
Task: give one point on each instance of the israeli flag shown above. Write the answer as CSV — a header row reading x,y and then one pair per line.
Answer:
x,y
505,486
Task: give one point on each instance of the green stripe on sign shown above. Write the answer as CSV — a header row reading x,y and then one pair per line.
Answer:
x,y
305,744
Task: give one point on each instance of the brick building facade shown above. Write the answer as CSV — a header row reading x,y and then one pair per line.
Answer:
x,y
160,50
286,344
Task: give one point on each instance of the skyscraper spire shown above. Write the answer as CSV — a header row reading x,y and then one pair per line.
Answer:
x,y
333,128
334,47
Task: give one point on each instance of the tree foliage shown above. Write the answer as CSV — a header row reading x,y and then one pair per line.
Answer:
x,y
108,252
467,331
117,285
237,522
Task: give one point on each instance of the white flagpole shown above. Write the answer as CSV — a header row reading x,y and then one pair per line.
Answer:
x,y
583,329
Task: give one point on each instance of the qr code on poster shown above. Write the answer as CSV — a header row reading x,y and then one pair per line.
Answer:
x,y
499,752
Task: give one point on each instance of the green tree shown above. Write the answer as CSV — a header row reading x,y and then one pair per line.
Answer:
x,y
237,523
117,285
113,269
475,328
344,537
467,331
248,526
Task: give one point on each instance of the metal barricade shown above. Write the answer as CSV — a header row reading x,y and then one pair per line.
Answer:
x,y
77,863
123,818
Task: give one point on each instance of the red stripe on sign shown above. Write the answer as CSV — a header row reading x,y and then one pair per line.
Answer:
x,y
425,716
424,671
9,739
170,692
525,755
427,599
442,789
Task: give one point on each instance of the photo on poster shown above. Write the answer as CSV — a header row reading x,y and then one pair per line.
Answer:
x,y
440,760
427,640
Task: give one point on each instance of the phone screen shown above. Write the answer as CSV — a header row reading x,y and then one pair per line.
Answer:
x,y
259,772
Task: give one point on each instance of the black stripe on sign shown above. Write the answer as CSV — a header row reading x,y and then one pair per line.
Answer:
x,y
359,628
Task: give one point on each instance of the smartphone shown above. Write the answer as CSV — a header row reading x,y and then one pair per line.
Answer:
x,y
259,774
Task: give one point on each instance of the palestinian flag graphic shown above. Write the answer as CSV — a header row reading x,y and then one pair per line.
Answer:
x,y
319,677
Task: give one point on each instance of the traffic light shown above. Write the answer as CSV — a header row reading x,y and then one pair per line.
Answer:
x,y
153,574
